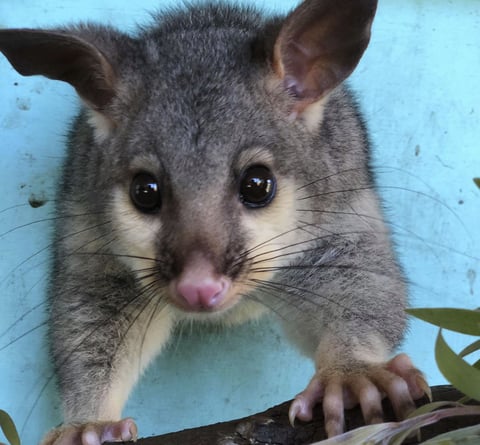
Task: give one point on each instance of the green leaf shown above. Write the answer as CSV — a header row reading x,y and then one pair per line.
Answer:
x,y
459,320
432,406
474,347
456,370
476,365
8,428
477,181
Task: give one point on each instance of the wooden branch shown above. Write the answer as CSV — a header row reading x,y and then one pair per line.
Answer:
x,y
272,426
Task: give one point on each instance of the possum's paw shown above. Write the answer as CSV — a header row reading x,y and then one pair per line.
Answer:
x,y
398,379
94,433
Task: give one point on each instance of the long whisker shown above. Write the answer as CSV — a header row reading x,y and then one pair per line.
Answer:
x,y
27,312
50,219
373,218
44,323
387,187
253,297
263,243
317,266
332,175
16,206
19,337
82,341
307,294
255,259
116,255
48,246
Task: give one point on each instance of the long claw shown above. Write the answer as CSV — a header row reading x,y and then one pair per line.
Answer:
x,y
424,386
293,411
402,366
302,406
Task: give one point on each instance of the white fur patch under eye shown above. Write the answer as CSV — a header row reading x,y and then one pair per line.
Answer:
x,y
136,233
276,237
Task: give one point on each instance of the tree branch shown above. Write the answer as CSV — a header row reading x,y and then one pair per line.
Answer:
x,y
272,426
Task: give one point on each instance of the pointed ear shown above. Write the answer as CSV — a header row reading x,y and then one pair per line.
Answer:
x,y
320,44
61,56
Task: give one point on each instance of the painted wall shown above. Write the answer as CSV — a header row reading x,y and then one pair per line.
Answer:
x,y
419,86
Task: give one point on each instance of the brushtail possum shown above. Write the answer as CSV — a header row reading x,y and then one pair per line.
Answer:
x,y
218,170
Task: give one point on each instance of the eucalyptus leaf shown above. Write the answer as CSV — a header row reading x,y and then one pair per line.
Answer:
x,y
429,407
8,428
457,371
474,347
477,181
476,365
459,320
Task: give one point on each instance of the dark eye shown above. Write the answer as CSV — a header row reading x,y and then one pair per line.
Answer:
x,y
145,193
257,186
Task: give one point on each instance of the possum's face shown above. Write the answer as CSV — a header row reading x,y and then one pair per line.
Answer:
x,y
205,194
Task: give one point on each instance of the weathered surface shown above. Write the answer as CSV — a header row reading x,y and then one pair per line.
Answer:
x,y
272,427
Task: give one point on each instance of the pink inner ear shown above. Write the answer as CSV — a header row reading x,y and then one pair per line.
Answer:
x,y
320,44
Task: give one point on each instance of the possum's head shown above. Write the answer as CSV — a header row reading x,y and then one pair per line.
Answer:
x,y
199,129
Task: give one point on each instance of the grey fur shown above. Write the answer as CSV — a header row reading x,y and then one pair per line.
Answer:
x,y
193,94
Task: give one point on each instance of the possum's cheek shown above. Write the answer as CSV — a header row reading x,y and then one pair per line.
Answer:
x,y
135,235
273,233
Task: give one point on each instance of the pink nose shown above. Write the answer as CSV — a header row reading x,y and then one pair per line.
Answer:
x,y
199,286
204,293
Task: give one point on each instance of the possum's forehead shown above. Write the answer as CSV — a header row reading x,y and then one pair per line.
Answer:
x,y
200,79
202,98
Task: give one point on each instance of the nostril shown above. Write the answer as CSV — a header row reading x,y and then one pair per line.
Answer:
x,y
206,293
199,286
212,296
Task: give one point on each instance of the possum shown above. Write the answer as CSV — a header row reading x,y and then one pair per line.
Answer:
x,y
218,170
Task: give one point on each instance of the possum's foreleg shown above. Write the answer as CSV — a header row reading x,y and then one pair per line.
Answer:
x,y
98,363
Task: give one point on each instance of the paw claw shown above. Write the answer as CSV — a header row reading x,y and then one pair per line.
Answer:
x,y
293,412
303,404
424,386
402,366
301,409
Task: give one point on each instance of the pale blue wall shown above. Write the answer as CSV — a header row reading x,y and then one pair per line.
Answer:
x,y
419,85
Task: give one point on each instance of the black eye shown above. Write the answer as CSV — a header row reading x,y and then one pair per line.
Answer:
x,y
145,193
257,186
